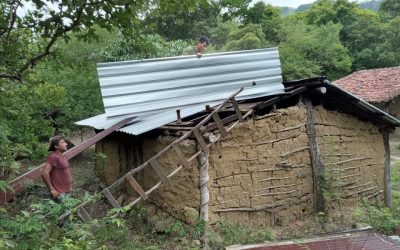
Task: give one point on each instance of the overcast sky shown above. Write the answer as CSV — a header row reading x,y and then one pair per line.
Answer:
x,y
289,3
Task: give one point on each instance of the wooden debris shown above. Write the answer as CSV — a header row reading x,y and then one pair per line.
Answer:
x,y
374,194
136,186
295,151
110,198
273,178
291,128
159,170
365,184
349,160
220,125
265,116
359,192
348,176
276,193
273,187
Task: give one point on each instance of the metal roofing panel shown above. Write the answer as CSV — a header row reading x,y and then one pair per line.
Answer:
x,y
137,88
141,124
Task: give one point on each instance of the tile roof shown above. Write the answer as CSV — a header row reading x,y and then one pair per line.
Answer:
x,y
374,85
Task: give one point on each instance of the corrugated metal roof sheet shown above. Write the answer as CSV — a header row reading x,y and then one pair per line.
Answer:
x,y
353,241
143,123
136,88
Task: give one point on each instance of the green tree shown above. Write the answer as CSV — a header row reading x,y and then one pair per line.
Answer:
x,y
181,23
391,6
309,50
220,34
249,37
28,37
268,17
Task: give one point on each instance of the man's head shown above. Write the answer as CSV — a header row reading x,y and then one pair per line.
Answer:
x,y
57,143
204,40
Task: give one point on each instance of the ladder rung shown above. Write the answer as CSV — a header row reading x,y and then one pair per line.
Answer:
x,y
180,155
83,214
136,186
237,109
220,126
159,170
200,140
111,198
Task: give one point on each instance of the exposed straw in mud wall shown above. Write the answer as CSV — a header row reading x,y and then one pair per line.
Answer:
x,y
261,174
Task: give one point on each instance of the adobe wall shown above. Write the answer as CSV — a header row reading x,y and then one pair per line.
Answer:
x,y
247,172
261,174
354,157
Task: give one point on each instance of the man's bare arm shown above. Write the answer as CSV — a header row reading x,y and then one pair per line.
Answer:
x,y
46,178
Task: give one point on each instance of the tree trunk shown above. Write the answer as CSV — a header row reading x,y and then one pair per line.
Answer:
x,y
387,181
316,160
204,193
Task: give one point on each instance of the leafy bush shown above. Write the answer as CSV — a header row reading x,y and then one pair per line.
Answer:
x,y
380,218
237,234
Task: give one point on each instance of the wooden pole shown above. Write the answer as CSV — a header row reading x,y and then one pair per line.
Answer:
x,y
316,159
204,192
387,181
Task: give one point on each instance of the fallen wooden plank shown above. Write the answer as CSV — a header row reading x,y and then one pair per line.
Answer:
x,y
18,184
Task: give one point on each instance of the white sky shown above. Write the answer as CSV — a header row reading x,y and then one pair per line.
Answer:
x,y
288,3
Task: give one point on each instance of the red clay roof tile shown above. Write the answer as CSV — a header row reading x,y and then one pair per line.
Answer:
x,y
374,85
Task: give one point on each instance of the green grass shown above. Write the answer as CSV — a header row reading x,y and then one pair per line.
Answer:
x,y
383,219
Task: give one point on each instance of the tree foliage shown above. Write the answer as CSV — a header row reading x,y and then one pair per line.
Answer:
x,y
46,22
391,6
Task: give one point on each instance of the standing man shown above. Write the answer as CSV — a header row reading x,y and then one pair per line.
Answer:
x,y
56,172
202,45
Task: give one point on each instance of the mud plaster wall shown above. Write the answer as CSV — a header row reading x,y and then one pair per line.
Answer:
x,y
119,153
354,156
246,171
116,154
393,108
262,169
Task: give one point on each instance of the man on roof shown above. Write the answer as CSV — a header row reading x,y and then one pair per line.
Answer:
x,y
202,45
56,172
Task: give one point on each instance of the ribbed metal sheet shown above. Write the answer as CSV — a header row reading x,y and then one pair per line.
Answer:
x,y
143,123
137,88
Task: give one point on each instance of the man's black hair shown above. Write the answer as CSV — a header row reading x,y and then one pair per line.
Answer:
x,y
54,142
203,39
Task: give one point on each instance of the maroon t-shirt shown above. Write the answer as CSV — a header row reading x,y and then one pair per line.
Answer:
x,y
60,175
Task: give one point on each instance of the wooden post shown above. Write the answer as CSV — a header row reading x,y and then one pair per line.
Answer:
x,y
204,192
316,160
178,116
387,181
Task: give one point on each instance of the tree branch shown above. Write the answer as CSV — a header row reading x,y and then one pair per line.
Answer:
x,y
13,17
10,76
31,62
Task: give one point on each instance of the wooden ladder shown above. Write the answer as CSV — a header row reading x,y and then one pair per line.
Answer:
x,y
175,146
